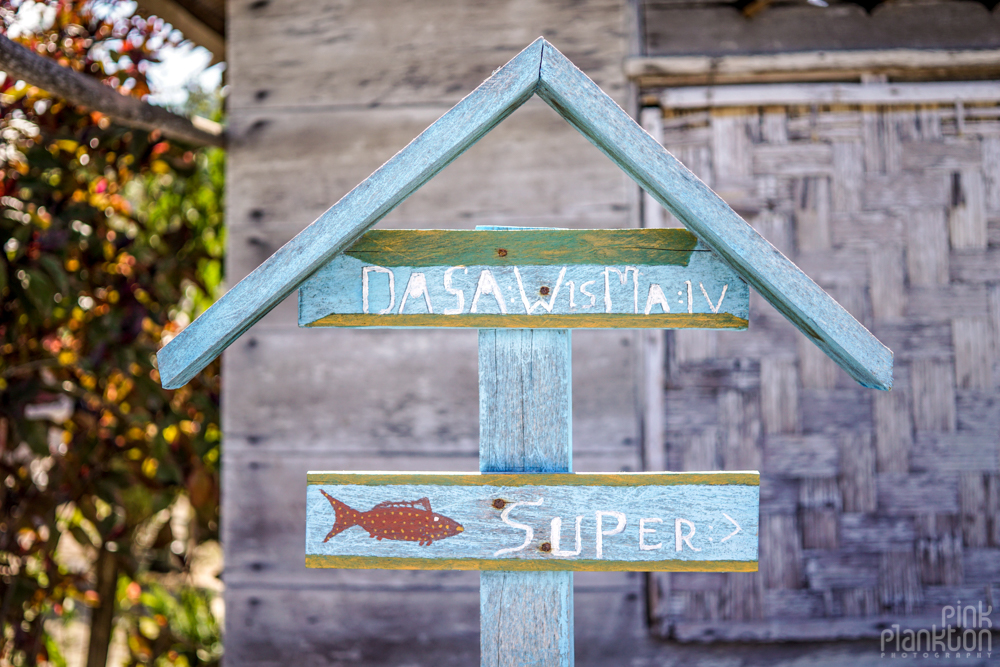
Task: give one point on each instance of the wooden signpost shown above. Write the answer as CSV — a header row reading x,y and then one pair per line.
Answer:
x,y
528,532
525,520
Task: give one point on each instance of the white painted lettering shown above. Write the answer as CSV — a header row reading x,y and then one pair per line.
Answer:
x,y
642,535
364,289
623,277
488,285
656,296
583,291
607,285
601,533
635,288
555,533
529,309
457,310
690,297
572,288
416,287
732,534
529,532
714,306
680,539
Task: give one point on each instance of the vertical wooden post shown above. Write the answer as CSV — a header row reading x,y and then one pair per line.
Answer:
x,y
525,425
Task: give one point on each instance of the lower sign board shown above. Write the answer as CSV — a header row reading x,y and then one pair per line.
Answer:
x,y
698,522
530,278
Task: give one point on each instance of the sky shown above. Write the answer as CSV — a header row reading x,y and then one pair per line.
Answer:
x,y
169,80
180,66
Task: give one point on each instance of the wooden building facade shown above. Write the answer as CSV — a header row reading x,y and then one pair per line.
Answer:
x,y
875,169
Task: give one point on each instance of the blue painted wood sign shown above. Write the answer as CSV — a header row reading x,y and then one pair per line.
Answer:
x,y
636,278
539,69
641,521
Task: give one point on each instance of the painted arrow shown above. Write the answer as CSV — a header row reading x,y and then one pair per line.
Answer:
x,y
733,521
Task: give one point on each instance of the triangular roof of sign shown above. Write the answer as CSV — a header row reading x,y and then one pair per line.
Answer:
x,y
539,69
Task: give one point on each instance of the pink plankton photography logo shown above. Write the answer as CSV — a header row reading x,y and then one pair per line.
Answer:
x,y
965,632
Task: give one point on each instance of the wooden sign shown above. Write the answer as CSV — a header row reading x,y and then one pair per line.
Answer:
x,y
446,521
540,69
636,278
528,280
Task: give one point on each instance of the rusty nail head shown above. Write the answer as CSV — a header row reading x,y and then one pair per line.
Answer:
x,y
544,290
502,252
499,503
546,546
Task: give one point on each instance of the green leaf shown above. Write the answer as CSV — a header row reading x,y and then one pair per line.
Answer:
x,y
55,270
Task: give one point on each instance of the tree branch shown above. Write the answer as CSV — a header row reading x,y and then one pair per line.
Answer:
x,y
20,63
191,25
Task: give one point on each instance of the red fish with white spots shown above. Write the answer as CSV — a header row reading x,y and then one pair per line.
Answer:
x,y
412,521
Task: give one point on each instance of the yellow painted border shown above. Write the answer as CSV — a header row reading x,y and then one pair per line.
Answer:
x,y
538,565
524,247
595,321
743,478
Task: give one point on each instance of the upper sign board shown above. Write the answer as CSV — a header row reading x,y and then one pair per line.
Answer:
x,y
634,278
701,522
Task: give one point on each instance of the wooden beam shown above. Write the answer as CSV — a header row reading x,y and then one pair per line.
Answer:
x,y
578,99
525,425
344,223
757,95
20,63
817,66
754,7
190,25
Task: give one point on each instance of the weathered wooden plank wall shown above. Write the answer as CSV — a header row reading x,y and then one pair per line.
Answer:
x,y
712,28
322,94
874,506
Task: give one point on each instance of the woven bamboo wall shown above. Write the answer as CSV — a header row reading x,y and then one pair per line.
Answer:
x,y
875,506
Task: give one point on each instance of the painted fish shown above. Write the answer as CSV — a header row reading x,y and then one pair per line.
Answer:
x,y
395,521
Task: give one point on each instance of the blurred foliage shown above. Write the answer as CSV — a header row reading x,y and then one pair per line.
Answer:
x,y
111,242
171,628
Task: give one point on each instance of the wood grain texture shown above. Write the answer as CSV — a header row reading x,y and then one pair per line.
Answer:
x,y
516,479
678,28
375,626
784,285
430,247
518,625
525,401
381,54
316,561
283,382
539,524
920,455
810,66
548,279
599,321
829,93
525,425
338,228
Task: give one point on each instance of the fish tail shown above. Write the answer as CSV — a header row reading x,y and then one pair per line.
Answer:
x,y
346,516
